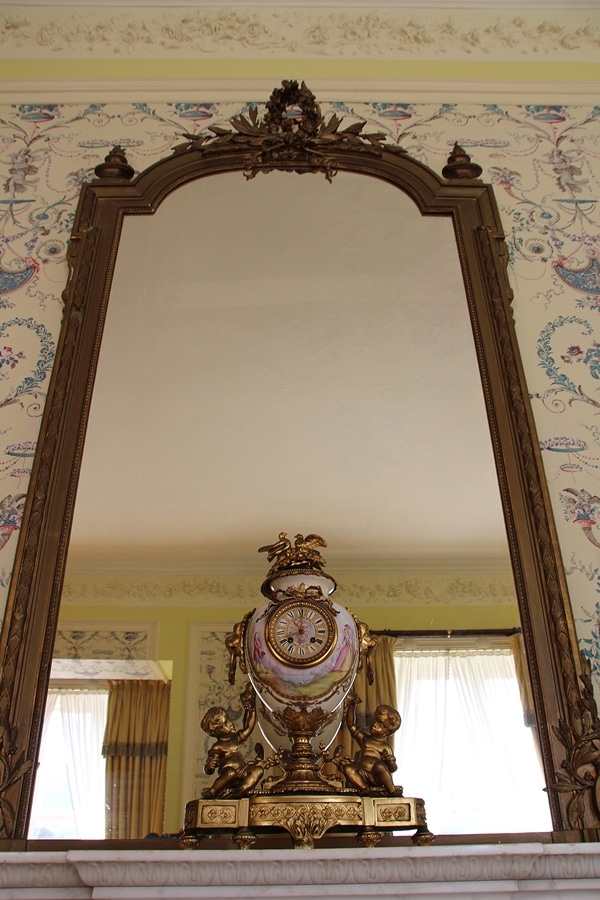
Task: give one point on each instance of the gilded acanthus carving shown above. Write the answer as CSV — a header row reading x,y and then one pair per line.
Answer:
x,y
302,719
12,770
307,821
580,774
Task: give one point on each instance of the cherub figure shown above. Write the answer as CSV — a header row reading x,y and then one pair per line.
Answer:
x,y
236,776
373,764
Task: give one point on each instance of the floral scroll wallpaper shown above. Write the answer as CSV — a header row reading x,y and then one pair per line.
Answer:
x,y
544,162
207,681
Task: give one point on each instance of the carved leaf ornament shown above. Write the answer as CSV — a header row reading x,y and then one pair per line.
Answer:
x,y
581,740
291,131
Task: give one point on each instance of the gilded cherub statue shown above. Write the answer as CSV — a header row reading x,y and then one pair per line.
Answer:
x,y
236,776
371,768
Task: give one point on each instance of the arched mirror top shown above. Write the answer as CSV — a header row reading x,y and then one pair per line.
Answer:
x,y
292,136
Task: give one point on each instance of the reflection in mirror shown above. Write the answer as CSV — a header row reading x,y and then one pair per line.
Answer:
x,y
281,354
89,744
472,739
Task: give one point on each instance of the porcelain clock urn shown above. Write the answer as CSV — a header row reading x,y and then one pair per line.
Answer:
x,y
301,652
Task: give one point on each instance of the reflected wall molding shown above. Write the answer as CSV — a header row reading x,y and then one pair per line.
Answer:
x,y
298,33
413,589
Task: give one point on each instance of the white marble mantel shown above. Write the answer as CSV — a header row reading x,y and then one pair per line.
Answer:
x,y
501,872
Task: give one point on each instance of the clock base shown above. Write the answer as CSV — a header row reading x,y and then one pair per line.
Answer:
x,y
306,817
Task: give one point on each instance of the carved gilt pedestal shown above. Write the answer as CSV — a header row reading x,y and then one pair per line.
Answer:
x,y
307,817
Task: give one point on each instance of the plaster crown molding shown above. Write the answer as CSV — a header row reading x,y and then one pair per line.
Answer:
x,y
394,4
71,32
471,589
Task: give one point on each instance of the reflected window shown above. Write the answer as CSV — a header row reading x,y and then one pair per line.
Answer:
x,y
103,756
467,744
70,782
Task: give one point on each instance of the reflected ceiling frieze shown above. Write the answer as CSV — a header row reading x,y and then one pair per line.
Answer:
x,y
299,32
413,589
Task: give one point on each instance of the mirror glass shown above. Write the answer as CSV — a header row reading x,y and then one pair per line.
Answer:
x,y
280,354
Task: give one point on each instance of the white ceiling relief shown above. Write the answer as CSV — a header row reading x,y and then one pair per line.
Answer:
x,y
460,32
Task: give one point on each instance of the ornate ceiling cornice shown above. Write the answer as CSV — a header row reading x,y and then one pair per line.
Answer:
x,y
399,4
412,589
38,32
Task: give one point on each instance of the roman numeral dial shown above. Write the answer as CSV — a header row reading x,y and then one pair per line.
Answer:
x,y
302,633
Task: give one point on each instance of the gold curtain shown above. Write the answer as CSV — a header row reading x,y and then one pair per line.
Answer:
x,y
517,646
383,690
135,747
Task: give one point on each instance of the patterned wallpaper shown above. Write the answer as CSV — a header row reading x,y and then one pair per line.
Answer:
x,y
103,640
207,685
544,161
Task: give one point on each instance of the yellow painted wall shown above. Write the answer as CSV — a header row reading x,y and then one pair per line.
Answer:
x,y
173,623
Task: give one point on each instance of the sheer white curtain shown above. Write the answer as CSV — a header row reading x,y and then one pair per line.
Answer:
x,y
463,745
84,721
69,790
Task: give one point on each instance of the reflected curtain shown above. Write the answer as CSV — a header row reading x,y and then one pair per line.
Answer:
x,y
463,746
515,642
69,790
135,747
383,690
83,722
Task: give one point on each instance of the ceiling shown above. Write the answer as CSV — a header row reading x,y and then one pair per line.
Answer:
x,y
399,4
287,355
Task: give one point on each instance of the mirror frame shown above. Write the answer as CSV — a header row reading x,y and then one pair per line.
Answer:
x,y
306,143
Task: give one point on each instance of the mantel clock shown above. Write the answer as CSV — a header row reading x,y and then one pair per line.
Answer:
x,y
301,652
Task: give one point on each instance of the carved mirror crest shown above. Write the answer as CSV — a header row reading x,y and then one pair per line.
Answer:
x,y
303,142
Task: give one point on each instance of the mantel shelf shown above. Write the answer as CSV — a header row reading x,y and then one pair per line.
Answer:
x,y
502,871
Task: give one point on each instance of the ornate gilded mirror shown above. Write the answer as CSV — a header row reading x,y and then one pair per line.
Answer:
x,y
294,138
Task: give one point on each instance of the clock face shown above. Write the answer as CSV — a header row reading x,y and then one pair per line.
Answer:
x,y
301,632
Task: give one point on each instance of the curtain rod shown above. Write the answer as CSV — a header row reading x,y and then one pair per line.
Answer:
x,y
449,632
